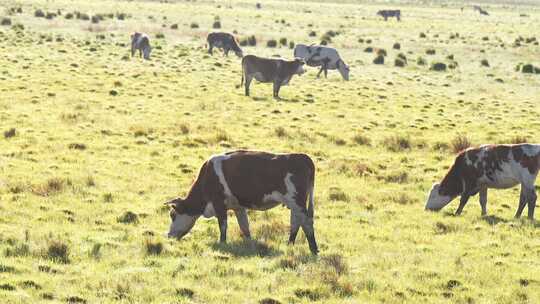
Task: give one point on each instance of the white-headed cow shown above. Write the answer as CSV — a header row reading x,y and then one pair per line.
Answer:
x,y
490,166
277,71
243,180
325,57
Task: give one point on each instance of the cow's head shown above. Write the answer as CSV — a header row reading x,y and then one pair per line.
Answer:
x,y
436,201
135,36
343,69
380,13
299,63
182,220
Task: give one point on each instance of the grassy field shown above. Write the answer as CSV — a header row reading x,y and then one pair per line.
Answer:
x,y
93,142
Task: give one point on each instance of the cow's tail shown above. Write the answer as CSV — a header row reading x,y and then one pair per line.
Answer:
x,y
242,81
311,189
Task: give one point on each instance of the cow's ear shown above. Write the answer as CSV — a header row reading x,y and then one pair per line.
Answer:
x,y
174,202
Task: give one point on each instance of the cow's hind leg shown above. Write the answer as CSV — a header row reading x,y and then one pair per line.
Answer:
x,y
295,226
532,203
210,49
462,202
277,86
243,222
522,201
483,200
248,79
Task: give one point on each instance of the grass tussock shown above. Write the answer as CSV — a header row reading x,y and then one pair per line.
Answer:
x,y
337,194
52,186
128,217
397,143
460,143
58,251
153,247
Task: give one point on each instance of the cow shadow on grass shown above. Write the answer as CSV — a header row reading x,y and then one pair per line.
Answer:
x,y
246,248
493,220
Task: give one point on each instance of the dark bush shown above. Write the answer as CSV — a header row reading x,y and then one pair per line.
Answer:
x,y
379,59
69,16
252,41
369,49
283,41
422,35
39,13
216,24
397,46
128,218
312,34
438,66
430,51
160,36
421,61
291,45
399,63
95,19
272,43
50,15
5,21
58,251
484,63
174,26
194,25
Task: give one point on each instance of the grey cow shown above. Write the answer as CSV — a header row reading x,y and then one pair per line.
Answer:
x,y
140,42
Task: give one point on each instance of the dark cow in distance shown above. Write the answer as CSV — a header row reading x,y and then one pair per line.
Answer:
x,y
390,13
242,180
489,166
277,71
224,41
326,57
140,42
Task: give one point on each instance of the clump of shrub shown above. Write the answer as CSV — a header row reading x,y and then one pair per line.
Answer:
x,y
153,247
194,25
95,19
421,61
50,15
430,51
216,24
312,34
283,41
361,139
272,43
5,21
174,26
128,217
379,59
10,133
399,63
69,16
396,46
337,194
291,44
369,49
484,63
460,143
438,66
252,41
397,143
39,13
528,69
58,251
160,36
422,35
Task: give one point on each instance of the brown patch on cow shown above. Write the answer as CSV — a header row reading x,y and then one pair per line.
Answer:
x,y
451,184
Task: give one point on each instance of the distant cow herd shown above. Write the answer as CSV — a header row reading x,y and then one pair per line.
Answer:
x,y
242,180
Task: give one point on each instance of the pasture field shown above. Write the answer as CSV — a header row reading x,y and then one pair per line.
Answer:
x,y
93,142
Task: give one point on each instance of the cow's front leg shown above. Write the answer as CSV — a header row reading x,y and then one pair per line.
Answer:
x,y
277,86
483,200
462,202
226,52
210,48
243,222
222,221
320,71
325,71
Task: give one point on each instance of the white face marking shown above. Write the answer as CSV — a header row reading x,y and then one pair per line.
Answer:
x,y
209,210
181,225
287,198
435,200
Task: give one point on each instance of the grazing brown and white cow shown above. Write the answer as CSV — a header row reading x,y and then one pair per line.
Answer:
x,y
224,41
277,71
243,180
140,42
490,166
325,57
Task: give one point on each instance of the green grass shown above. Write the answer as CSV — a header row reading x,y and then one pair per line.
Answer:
x,y
92,143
